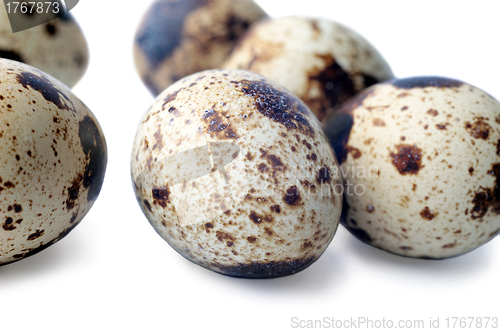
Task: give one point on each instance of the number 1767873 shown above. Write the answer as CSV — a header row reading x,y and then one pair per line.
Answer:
x,y
36,7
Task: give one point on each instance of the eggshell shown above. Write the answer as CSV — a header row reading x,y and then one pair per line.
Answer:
x,y
233,172
425,155
321,61
53,156
179,38
58,47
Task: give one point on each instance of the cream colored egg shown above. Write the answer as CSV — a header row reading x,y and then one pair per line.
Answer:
x,y
58,47
321,61
53,156
179,38
234,172
421,164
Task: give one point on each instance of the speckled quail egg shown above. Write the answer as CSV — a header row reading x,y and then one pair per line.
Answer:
x,y
53,156
177,38
420,159
58,47
322,62
236,174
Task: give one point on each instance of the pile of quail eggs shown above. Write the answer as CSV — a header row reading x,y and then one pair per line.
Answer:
x,y
416,163
265,134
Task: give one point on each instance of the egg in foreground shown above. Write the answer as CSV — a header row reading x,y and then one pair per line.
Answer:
x,y
321,61
177,38
234,172
53,156
58,47
424,154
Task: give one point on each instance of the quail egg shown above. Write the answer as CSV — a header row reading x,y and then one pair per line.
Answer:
x,y
321,61
181,37
236,174
420,159
53,157
58,47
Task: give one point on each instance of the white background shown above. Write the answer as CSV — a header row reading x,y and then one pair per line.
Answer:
x,y
114,273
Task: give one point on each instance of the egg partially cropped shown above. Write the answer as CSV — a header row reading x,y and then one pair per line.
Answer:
x,y
235,173
58,47
177,38
421,163
321,61
53,156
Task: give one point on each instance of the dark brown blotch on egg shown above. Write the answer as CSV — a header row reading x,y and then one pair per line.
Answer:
x,y
277,105
407,159
425,82
270,269
94,147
